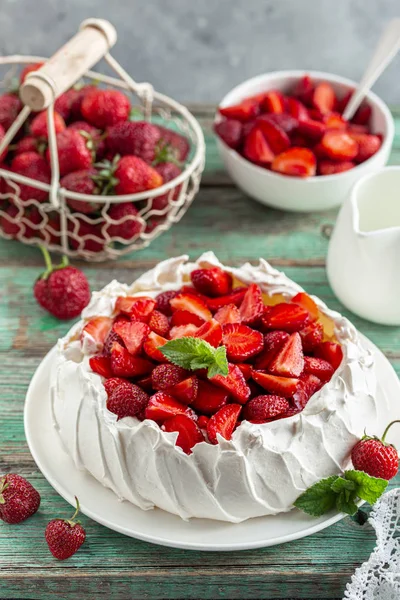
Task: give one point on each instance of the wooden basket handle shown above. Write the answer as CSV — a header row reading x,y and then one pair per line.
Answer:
x,y
92,42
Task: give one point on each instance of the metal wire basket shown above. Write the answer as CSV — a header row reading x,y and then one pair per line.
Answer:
x,y
52,222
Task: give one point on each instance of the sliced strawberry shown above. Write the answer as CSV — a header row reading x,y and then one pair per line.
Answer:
x,y
319,367
262,409
335,121
112,383
151,347
295,162
193,304
311,336
146,384
282,386
210,332
244,111
304,89
202,421
162,406
246,369
274,102
166,376
285,316
331,352
228,314
256,148
234,383
363,115
324,98
352,128
289,362
125,365
312,129
223,422
180,331
101,365
209,398
343,102
368,144
139,308
189,433
185,391
330,167
338,145
230,131
252,306
159,323
276,137
212,282
304,300
273,342
163,302
308,385
241,341
133,334
283,120
184,317
98,329
297,109
235,298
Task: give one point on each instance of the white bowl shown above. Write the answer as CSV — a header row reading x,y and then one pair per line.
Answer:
x,y
294,193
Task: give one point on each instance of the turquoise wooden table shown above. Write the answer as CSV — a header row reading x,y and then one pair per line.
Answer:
x,y
110,565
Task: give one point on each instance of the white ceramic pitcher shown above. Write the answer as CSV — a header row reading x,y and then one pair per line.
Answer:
x,y
363,263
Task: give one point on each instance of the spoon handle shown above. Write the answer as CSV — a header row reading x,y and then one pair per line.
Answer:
x,y
387,48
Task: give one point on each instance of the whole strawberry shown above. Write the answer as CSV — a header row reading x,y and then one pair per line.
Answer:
x,y
66,103
31,164
136,138
29,144
63,290
168,172
103,108
82,182
10,106
38,126
85,236
18,499
73,153
375,457
177,145
128,175
64,537
94,138
129,225
10,221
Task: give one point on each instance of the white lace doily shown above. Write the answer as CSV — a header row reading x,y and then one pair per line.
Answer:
x,y
379,577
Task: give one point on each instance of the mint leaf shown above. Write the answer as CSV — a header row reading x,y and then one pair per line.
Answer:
x,y
345,502
193,353
319,498
367,488
343,484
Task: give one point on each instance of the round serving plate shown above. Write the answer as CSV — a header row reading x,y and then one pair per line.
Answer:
x,y
157,526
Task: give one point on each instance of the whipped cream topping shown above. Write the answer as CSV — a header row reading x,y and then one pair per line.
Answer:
x,y
260,471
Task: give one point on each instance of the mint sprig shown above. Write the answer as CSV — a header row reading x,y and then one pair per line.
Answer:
x,y
341,492
194,353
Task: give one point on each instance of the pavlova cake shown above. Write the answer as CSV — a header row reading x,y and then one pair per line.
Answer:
x,y
212,392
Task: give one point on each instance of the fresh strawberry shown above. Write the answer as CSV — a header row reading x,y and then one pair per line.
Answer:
x,y
304,90
85,236
18,499
94,138
82,182
65,537
202,422
104,108
376,457
274,102
241,341
285,316
38,126
191,303
330,352
246,369
256,148
262,409
210,332
252,306
367,145
277,139
335,121
228,314
282,386
28,144
125,365
159,323
112,383
127,400
319,367
244,111
184,317
338,145
289,362
295,162
31,164
311,336
138,308
10,106
172,146
304,300
165,376
352,128
168,172
212,282
133,175
179,331
133,335
134,138
163,302
73,153
234,383
308,385
223,422
312,129
98,330
235,297
209,398
66,103
283,120
324,98
63,291
185,391
363,115
34,222
189,434
330,167
101,365
162,406
297,109
10,221
29,69
75,100
151,347
273,342
230,131
127,224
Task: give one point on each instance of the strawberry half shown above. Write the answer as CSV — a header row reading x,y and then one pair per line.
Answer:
x,y
193,304
319,367
101,365
330,167
236,297
133,334
139,308
210,332
282,386
256,148
296,162
223,422
273,342
262,409
331,352
338,145
244,111
312,129
189,433
209,398
324,98
246,369
151,347
162,406
289,362
252,306
311,336
274,102
308,385
98,329
228,314
277,139
368,144
297,109
125,365
185,391
285,316
234,383
304,300
188,330
184,317
212,282
241,341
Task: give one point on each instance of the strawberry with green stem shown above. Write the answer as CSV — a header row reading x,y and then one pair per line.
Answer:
x,y
375,456
64,537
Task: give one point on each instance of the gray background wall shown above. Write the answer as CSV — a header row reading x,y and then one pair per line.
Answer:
x,y
196,50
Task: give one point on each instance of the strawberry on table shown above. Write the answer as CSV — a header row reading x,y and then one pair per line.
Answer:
x,y
18,499
189,434
103,108
65,537
223,422
230,131
262,409
127,400
212,282
376,457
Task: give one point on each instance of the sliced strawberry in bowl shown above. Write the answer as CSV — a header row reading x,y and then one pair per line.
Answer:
x,y
274,384
277,139
209,398
151,347
312,129
133,334
228,314
319,367
273,342
235,297
304,89
162,406
308,385
101,365
339,145
189,434
273,102
230,131
210,332
252,306
287,122
223,423
166,376
331,352
212,282
330,167
244,111
324,98
234,383
185,391
297,109
97,329
256,148
304,300
289,362
311,336
193,304
368,145
123,364
241,342
285,316
262,409
295,162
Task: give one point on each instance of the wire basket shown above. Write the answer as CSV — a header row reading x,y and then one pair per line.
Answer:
x,y
63,228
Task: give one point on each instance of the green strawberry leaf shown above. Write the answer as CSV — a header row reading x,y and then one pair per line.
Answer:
x,y
345,503
367,488
343,484
194,353
319,498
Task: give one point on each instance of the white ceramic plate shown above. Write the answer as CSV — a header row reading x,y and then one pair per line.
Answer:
x,y
158,526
